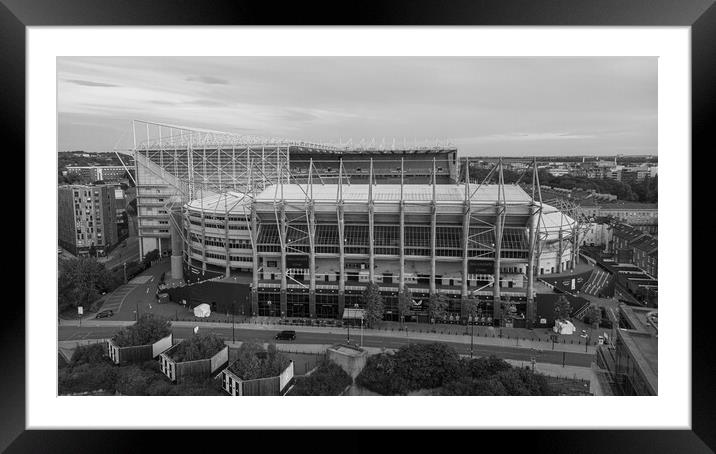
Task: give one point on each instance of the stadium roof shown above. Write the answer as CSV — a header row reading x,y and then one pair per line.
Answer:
x,y
230,200
391,193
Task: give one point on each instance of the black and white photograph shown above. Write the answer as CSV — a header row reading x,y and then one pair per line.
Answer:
x,y
357,226
444,226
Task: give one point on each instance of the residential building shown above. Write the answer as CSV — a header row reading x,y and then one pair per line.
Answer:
x,y
87,216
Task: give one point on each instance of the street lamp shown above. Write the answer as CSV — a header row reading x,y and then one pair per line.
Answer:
x,y
268,303
348,325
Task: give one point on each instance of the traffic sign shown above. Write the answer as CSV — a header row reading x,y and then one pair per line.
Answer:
x,y
80,311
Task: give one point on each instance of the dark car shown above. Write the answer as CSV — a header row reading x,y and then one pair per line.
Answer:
x,y
286,335
103,314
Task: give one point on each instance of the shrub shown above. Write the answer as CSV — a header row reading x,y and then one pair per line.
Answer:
x,y
147,330
92,353
86,377
198,347
436,369
329,379
377,374
254,362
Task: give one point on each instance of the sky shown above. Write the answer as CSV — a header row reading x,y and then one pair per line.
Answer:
x,y
532,106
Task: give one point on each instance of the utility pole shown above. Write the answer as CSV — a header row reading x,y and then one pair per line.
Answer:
x,y
125,272
233,326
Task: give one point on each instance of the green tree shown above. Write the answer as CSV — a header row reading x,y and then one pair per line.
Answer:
x,y
471,306
562,308
437,306
593,316
80,282
374,307
329,379
147,330
149,257
198,346
378,374
252,361
405,301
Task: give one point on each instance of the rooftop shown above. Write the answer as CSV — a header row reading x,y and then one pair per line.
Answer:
x,y
392,192
642,340
348,350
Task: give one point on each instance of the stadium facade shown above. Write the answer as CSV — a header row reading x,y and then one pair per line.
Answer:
x,y
312,224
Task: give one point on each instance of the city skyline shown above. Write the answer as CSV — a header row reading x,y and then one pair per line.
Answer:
x,y
485,106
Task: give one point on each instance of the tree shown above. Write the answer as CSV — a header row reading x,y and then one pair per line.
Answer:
x,y
593,316
198,347
92,251
405,301
329,379
377,375
437,306
562,308
252,361
80,282
149,257
471,307
147,330
374,307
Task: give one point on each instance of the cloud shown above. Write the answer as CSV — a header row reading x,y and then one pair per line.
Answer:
x,y
527,137
89,83
207,103
208,80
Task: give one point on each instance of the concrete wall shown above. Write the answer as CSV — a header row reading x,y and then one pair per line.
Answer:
x,y
352,365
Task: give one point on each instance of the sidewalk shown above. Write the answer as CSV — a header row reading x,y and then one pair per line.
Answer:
x,y
444,337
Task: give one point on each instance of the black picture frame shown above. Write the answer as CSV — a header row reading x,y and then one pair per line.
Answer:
x,y
700,15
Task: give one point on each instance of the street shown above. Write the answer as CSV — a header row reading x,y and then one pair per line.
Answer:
x,y
185,329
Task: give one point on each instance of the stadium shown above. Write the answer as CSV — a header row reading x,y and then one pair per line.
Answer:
x,y
307,226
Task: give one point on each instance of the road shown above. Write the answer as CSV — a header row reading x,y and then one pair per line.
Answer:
x,y
121,254
260,335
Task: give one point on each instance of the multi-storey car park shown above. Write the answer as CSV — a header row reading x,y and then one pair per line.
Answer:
x,y
311,235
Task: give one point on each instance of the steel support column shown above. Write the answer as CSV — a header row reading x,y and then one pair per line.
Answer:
x,y
284,270
341,245
371,233
226,239
401,281
203,231
255,259
433,233
499,225
177,270
530,265
311,214
466,233
560,250
499,219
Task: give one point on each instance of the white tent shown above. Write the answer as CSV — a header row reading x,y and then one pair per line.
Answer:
x,y
202,310
563,327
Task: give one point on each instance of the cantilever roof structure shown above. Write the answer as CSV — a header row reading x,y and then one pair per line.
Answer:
x,y
168,136
486,194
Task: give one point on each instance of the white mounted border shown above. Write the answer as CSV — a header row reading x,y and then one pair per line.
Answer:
x,y
671,409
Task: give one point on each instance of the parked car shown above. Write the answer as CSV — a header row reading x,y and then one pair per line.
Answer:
x,y
104,314
286,335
